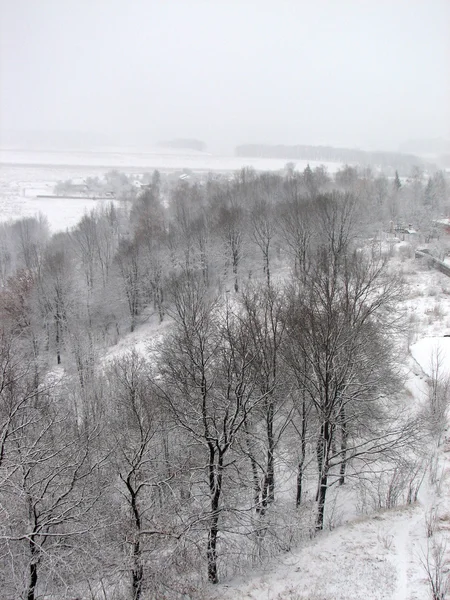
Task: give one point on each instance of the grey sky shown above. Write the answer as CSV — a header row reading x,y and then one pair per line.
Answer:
x,y
367,73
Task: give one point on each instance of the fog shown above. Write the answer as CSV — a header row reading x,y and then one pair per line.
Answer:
x,y
348,72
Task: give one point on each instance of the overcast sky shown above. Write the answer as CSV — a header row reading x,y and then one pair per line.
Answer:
x,y
367,73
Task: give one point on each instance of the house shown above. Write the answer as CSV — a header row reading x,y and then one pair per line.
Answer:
x,y
403,232
443,225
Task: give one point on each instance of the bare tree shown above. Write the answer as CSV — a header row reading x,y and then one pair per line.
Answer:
x,y
140,460
130,271
297,364
31,235
263,232
148,219
434,564
48,493
230,224
56,284
438,395
261,312
296,226
85,242
338,317
107,239
206,379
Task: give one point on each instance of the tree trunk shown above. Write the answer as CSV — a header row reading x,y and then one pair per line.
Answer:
x,y
212,550
301,463
321,492
215,488
36,366
320,456
298,497
344,435
254,468
267,265
268,488
270,476
137,571
58,339
271,460
324,463
31,595
235,270
204,263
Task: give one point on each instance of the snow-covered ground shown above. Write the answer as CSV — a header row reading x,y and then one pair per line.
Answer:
x,y
20,186
433,354
379,556
158,159
371,558
26,174
382,556
61,213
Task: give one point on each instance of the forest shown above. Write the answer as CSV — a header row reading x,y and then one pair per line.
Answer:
x,y
267,375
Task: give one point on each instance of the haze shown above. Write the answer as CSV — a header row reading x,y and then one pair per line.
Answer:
x,y
351,72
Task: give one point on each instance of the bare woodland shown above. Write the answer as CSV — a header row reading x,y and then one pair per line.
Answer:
x,y
144,475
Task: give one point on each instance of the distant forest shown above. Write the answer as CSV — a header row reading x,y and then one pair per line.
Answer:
x,y
395,160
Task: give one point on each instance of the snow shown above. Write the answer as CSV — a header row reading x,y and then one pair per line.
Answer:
x,y
20,186
62,213
380,556
143,340
196,161
376,557
370,558
430,350
26,174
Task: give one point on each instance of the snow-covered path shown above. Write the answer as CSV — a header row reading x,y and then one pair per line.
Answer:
x,y
371,558
407,536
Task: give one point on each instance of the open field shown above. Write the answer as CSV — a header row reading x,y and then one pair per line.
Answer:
x,y
138,161
26,174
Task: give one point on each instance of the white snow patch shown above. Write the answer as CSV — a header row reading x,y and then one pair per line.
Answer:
x,y
161,160
430,350
61,213
144,340
372,558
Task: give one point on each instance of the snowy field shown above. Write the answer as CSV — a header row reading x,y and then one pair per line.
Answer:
x,y
20,186
371,558
157,159
25,174
62,213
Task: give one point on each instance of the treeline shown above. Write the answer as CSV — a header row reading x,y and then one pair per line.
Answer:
x,y
393,160
140,474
